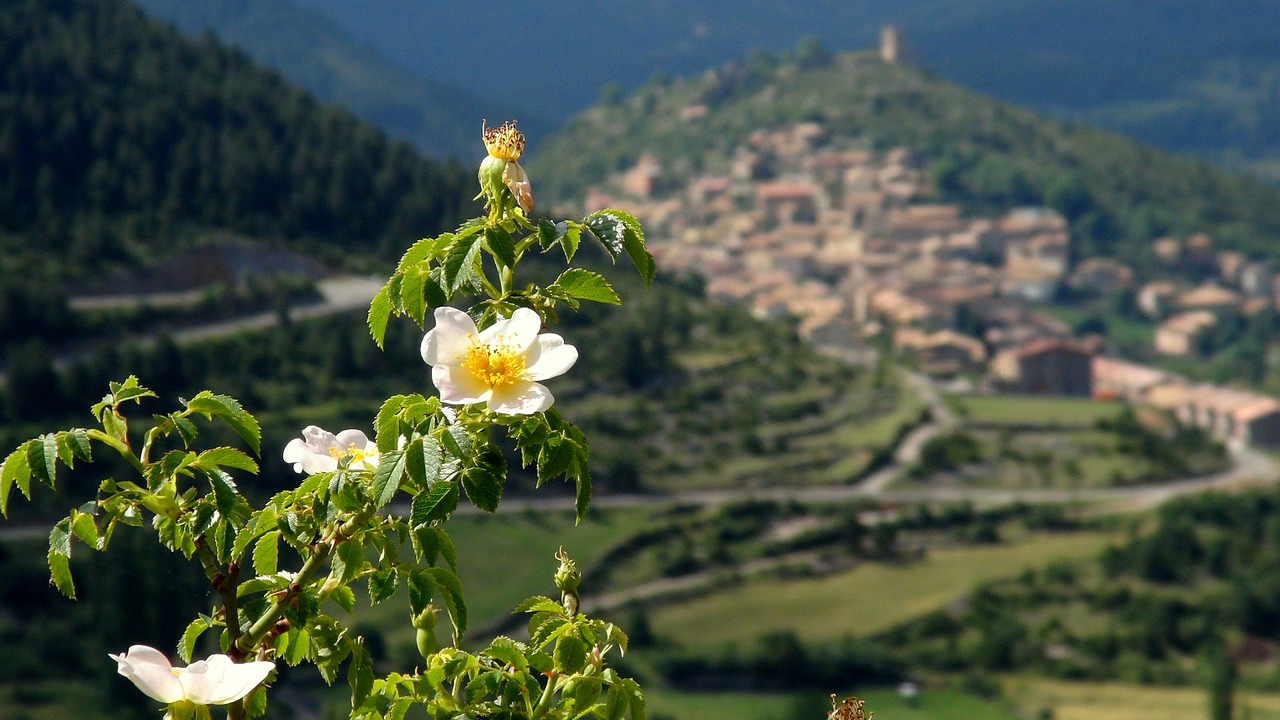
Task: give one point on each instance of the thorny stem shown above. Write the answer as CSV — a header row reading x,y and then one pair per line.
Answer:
x,y
263,625
548,693
226,584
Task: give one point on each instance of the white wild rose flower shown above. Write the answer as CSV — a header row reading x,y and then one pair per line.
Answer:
x,y
217,680
319,450
500,366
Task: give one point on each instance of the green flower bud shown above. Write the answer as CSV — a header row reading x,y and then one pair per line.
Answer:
x,y
424,624
567,576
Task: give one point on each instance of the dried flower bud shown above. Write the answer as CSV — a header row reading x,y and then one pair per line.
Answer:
x,y
851,708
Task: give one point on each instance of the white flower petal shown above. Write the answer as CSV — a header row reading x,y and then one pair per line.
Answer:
x,y
218,680
518,331
318,439
348,439
295,450
550,357
458,386
149,670
517,181
448,341
317,463
521,398
198,684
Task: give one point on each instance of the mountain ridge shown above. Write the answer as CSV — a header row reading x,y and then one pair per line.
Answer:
x,y
316,53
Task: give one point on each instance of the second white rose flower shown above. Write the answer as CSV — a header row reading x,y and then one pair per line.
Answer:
x,y
500,366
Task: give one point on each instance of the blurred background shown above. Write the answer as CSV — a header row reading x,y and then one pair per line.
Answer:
x,y
958,389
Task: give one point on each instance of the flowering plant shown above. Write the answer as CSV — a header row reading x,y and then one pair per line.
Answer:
x,y
281,571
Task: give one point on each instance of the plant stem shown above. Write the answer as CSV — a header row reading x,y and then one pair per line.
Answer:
x,y
263,625
544,702
119,447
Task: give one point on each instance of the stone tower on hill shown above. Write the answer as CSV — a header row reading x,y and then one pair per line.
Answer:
x,y
890,43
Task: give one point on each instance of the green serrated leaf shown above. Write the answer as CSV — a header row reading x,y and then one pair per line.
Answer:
x,y
569,235
382,585
345,597
380,314
225,494
453,442
129,390
84,527
447,550
59,558
422,250
501,245
422,587
555,458
15,472
78,440
460,264
482,487
359,674
587,285
225,457
547,234
348,560
387,425
413,296
632,688
387,477
434,503
187,645
266,553
539,603
570,654
505,650
42,458
452,593
619,233
544,627
616,704
228,410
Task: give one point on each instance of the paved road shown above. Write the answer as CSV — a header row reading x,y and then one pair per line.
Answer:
x,y
337,295
908,452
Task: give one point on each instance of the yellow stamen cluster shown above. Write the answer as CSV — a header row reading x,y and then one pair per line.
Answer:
x,y
504,142
851,708
355,454
497,365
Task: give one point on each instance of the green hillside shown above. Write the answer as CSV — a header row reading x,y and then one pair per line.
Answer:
x,y
988,155
119,139
314,53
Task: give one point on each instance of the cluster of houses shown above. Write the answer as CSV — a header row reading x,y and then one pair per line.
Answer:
x,y
843,239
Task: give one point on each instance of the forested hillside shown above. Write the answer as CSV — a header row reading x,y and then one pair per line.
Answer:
x,y
118,138
1116,193
315,53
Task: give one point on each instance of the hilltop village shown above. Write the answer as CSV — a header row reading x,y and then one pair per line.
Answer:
x,y
847,242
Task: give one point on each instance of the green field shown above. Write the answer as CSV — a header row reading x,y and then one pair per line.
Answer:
x,y
867,599
504,558
1034,410
930,705
1117,701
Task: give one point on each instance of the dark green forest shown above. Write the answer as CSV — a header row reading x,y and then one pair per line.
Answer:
x,y
120,142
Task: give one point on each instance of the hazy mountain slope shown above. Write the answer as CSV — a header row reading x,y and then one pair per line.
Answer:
x,y
118,138
1117,193
315,53
1195,76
